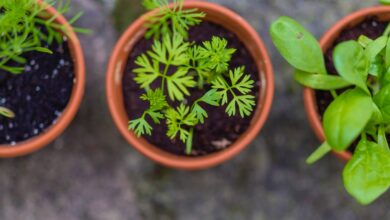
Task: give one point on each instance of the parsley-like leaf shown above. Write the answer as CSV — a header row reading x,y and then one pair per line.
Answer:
x,y
157,103
169,21
239,88
171,52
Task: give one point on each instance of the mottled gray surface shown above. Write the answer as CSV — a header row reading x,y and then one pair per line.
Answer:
x,y
91,173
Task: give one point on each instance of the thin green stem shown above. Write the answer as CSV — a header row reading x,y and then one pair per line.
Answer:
x,y
189,141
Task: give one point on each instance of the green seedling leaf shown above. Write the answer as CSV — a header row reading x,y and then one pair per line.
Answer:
x,y
346,117
297,45
320,82
382,100
375,47
352,63
324,149
367,175
364,41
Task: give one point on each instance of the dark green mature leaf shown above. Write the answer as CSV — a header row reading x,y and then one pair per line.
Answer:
x,y
320,82
382,100
352,63
297,45
346,117
367,175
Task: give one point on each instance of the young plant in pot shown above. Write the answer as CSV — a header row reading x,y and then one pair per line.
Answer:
x,y
355,77
192,91
41,74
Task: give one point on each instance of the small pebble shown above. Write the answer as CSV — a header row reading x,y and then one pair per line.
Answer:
x,y
28,98
37,88
35,131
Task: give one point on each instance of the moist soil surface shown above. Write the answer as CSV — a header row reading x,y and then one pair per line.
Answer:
x,y
219,130
38,95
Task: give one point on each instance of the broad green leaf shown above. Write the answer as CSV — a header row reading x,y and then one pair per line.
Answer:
x,y
367,175
382,100
297,45
324,149
320,82
352,63
346,117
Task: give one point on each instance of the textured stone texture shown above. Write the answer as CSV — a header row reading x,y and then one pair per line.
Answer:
x,y
91,173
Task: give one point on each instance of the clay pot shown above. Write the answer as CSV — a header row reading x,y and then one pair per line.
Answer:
x,y
38,142
252,41
381,12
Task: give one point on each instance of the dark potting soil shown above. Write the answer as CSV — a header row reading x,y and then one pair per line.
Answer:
x,y
219,130
372,28
38,96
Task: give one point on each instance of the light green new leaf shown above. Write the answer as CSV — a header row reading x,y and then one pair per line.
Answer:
x,y
7,112
346,117
352,63
367,175
297,45
320,82
385,2
375,47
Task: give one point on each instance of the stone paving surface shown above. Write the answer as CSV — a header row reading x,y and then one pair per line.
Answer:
x,y
92,173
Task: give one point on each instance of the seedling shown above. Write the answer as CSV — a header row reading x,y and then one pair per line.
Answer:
x,y
177,66
359,112
25,26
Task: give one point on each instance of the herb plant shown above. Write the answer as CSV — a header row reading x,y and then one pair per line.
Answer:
x,y
173,67
359,112
25,26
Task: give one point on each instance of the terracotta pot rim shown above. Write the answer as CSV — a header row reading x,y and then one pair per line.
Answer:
x,y
183,162
329,37
51,133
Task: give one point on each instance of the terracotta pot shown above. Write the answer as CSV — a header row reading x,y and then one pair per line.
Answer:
x,y
381,12
248,36
38,142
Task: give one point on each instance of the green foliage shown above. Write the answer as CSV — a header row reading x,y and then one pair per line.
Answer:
x,y
385,2
367,175
211,59
239,87
361,110
174,67
171,52
168,21
21,23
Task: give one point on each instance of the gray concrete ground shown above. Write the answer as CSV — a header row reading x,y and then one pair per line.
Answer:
x,y
92,173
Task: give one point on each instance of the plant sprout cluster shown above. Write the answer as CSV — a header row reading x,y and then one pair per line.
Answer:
x,y
359,112
25,26
204,66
